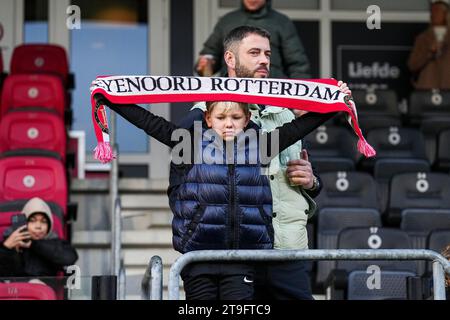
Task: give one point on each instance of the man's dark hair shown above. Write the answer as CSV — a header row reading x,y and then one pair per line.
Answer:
x,y
239,33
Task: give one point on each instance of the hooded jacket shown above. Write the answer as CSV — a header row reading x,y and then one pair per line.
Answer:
x,y
44,257
288,59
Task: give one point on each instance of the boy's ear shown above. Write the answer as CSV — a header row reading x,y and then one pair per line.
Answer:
x,y
248,117
208,119
230,59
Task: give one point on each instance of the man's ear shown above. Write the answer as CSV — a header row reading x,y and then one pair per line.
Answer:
x,y
230,59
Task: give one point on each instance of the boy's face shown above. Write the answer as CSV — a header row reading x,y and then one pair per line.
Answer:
x,y
227,120
37,226
252,59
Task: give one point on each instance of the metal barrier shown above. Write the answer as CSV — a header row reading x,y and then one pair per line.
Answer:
x,y
439,262
152,282
121,288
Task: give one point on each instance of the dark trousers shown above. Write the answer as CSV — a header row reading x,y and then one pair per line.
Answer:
x,y
206,281
283,281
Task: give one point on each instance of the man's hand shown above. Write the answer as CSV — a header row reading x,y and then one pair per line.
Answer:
x,y
344,88
20,238
205,66
300,171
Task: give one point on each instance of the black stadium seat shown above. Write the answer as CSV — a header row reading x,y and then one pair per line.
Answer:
x,y
424,191
332,148
438,239
428,103
377,108
374,238
430,109
348,199
396,147
350,278
443,154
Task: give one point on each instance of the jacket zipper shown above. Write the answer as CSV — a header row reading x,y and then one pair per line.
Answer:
x,y
234,225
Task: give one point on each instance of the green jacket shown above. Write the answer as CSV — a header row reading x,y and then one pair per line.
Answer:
x,y
288,58
292,206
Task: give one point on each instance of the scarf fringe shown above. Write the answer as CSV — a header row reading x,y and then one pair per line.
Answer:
x,y
104,152
365,148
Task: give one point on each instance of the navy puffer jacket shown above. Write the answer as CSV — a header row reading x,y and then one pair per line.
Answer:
x,y
222,206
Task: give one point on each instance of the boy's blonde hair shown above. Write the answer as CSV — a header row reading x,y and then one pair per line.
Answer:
x,y
228,104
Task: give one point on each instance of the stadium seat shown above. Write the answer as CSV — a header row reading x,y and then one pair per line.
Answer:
x,y
428,103
346,200
349,279
430,109
375,238
32,91
331,221
418,191
376,108
437,241
332,148
385,169
24,177
393,285
26,291
352,189
443,154
33,133
398,147
8,209
42,58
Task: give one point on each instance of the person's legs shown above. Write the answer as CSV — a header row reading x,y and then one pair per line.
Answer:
x,y
237,285
201,287
289,281
261,286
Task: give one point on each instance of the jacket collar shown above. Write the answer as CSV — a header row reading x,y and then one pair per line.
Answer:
x,y
267,111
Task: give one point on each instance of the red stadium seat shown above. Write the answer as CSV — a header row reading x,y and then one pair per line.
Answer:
x,y
29,90
8,209
26,291
41,58
33,132
30,176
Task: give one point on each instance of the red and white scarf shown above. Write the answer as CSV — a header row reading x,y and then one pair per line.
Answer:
x,y
315,95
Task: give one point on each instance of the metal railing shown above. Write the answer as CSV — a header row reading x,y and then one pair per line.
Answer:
x,y
117,267
440,264
116,238
121,288
152,282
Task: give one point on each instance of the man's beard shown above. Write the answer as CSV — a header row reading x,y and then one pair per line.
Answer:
x,y
244,72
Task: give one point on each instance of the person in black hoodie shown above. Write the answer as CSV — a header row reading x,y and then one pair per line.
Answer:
x,y
33,250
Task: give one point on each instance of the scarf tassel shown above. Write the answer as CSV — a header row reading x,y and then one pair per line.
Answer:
x,y
365,148
104,152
